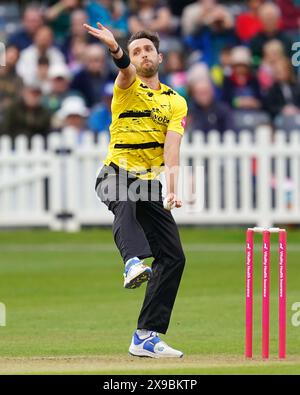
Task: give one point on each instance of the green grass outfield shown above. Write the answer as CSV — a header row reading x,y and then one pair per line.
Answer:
x,y
67,310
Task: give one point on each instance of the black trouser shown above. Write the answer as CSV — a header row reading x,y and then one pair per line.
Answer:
x,y
143,228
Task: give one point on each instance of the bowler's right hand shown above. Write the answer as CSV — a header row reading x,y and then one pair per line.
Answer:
x,y
102,34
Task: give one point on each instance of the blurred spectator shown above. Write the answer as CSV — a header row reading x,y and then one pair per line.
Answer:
x,y
153,15
58,17
43,46
219,71
197,15
27,115
42,74
32,21
100,117
248,23
217,33
205,112
270,17
290,11
198,71
241,89
73,114
174,73
273,51
60,79
111,13
10,82
77,33
283,98
76,54
90,81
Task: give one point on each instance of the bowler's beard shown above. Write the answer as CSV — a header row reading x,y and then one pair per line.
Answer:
x,y
148,71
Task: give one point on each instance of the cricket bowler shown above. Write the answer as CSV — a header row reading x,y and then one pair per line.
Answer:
x,y
148,120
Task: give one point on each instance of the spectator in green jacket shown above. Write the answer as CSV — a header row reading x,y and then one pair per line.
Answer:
x,y
27,115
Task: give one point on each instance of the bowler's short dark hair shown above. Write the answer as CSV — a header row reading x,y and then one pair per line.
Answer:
x,y
154,37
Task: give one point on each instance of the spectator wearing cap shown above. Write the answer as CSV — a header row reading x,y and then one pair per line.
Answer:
x,y
211,37
206,113
27,115
43,46
60,79
10,82
73,114
270,17
58,17
241,89
111,13
248,23
32,21
90,81
100,116
283,98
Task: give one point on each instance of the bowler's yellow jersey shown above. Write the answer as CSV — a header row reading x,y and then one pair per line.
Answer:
x,y
141,117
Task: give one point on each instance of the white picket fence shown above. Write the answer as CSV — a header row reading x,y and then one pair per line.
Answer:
x,y
54,186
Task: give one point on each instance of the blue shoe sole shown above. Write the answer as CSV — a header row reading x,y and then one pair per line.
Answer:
x,y
139,280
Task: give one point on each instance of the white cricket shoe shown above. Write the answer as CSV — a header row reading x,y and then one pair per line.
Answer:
x,y
152,347
136,273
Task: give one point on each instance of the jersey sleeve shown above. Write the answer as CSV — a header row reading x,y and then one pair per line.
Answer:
x,y
123,94
178,120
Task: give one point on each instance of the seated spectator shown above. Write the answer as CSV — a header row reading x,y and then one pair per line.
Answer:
x,y
111,13
212,37
58,17
77,33
283,98
248,24
205,112
27,115
198,71
219,71
197,15
32,21
270,17
10,82
241,89
73,114
60,80
273,51
290,13
43,46
42,74
76,54
90,81
174,73
100,117
153,15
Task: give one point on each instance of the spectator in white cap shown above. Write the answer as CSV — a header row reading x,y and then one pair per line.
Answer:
x,y
60,79
73,114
